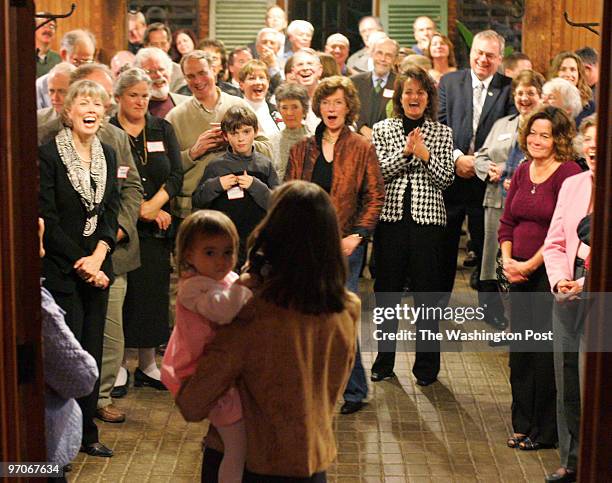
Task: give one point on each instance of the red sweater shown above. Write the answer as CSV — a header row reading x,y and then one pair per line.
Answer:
x,y
528,212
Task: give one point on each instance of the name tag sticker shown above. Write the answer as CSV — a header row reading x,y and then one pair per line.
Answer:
x,y
235,193
388,93
155,146
122,172
503,137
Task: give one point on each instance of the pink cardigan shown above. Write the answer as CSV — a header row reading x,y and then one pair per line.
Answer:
x,y
561,244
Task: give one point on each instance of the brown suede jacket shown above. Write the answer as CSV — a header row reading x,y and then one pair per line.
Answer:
x,y
357,190
290,369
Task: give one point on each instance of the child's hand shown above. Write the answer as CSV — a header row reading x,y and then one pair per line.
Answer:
x,y
244,181
228,181
249,280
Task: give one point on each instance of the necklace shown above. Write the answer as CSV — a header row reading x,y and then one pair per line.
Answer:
x,y
545,172
141,150
328,138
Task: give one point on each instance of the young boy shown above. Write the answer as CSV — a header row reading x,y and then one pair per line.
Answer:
x,y
239,183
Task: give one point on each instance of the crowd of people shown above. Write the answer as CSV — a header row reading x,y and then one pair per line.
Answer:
x,y
216,206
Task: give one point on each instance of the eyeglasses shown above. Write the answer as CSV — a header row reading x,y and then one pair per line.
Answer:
x,y
79,62
159,70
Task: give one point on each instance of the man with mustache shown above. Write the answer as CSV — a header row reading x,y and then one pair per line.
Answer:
x,y
46,58
156,63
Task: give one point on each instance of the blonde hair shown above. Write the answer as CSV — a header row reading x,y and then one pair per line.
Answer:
x,y
84,88
203,223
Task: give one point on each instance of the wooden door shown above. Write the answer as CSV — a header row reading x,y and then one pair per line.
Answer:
x,y
21,382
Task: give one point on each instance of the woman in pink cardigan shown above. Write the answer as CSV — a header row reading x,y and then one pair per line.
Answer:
x,y
564,257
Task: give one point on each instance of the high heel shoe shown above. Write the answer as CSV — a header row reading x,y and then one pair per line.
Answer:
x,y
141,379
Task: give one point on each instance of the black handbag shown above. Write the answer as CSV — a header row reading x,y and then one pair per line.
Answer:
x,y
504,284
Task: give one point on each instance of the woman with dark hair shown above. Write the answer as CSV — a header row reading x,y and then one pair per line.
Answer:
x,y
501,151
79,202
441,52
570,67
344,164
301,312
546,138
183,42
565,258
416,160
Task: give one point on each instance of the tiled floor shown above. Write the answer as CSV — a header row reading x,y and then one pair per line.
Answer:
x,y
452,431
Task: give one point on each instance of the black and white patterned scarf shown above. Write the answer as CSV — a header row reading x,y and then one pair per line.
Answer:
x,y
90,183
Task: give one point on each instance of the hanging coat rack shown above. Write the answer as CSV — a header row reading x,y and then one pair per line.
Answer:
x,y
51,17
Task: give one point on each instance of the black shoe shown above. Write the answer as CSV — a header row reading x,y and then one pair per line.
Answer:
x,y
120,391
67,468
475,279
378,376
425,382
350,407
141,379
499,343
568,477
471,260
499,323
97,449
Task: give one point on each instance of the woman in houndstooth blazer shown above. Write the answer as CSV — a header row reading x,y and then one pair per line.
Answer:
x,y
416,161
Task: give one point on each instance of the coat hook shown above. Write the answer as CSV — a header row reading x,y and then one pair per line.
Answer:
x,y
51,17
588,26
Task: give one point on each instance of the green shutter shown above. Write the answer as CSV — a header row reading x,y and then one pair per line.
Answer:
x,y
398,17
236,22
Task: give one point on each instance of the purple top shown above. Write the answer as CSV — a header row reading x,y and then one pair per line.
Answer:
x,y
529,208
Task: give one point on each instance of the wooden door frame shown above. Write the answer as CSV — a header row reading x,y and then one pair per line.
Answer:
x,y
21,385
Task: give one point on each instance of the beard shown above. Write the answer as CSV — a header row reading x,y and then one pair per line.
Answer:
x,y
160,93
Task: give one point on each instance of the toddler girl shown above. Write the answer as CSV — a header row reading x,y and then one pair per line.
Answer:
x,y
207,244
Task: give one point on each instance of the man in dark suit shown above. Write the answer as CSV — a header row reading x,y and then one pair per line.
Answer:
x,y
471,100
376,88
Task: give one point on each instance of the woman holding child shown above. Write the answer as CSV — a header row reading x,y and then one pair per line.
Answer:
x,y
344,164
300,311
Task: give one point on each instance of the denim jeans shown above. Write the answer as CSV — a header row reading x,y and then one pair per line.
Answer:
x,y
357,386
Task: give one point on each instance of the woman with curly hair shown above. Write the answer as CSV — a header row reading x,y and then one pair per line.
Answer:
x,y
344,164
546,138
569,66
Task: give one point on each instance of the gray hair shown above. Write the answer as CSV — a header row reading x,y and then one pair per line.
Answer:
x,y
491,35
70,39
83,88
147,53
289,91
587,122
129,78
197,55
63,68
85,70
337,38
309,51
138,17
299,25
379,39
268,30
568,94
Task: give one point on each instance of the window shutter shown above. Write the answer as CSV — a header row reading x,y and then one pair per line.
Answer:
x,y
236,22
398,17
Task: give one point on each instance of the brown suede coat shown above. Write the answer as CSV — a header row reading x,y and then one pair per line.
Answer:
x,y
290,369
357,190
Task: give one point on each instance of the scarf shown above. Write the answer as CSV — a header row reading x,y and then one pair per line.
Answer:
x,y
90,183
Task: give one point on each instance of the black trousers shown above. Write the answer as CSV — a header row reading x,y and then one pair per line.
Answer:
x,y
406,249
212,461
532,374
455,213
86,315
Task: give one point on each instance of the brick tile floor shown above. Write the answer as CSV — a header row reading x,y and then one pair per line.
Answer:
x,y
452,431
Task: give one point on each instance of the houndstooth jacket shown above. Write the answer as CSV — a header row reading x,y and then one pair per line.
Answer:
x,y
427,179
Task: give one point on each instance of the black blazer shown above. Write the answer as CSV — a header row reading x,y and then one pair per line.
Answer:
x,y
456,111
64,215
373,106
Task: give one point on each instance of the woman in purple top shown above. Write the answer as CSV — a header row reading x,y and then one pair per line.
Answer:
x,y
547,139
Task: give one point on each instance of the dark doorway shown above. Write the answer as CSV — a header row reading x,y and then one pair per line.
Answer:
x,y
331,16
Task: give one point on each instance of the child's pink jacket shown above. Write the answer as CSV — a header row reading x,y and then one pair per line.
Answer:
x,y
200,301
